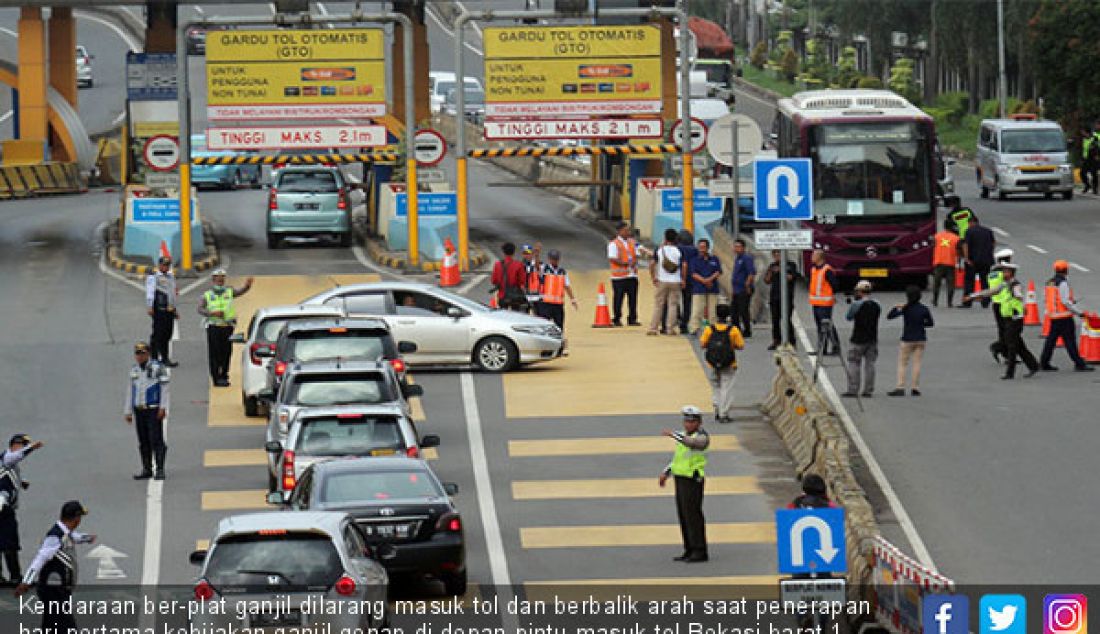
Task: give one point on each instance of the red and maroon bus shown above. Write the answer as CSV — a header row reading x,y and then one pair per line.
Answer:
x,y
875,167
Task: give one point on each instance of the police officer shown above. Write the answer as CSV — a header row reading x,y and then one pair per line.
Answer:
x,y
11,483
996,277
146,408
54,569
959,218
160,303
1061,322
1012,311
688,467
221,317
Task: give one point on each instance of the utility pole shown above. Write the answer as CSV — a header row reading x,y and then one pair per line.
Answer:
x,y
1002,84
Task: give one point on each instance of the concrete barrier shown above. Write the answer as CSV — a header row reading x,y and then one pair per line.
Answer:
x,y
20,181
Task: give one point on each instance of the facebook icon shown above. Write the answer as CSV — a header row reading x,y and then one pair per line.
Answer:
x,y
946,614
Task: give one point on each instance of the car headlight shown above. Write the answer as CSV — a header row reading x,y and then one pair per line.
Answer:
x,y
548,330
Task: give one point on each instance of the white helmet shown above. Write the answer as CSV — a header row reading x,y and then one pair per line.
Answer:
x,y
1004,254
690,411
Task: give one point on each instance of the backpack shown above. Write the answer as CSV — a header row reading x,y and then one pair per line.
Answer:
x,y
667,264
720,353
513,296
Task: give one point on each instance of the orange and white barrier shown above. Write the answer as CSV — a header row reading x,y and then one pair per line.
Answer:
x,y
899,583
1089,347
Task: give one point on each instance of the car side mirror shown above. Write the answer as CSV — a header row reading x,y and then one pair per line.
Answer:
x,y
950,162
431,440
384,551
237,337
273,446
197,557
456,313
450,488
263,352
276,498
406,347
413,390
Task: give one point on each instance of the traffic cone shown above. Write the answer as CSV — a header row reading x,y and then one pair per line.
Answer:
x,y
977,283
493,303
449,274
1031,306
960,278
1090,334
603,315
164,252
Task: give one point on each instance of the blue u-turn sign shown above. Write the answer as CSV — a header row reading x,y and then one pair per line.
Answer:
x,y
783,189
811,540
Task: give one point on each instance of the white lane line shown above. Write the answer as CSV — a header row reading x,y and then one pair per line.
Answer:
x,y
1079,267
498,560
906,523
361,255
451,34
122,34
468,286
154,511
109,272
1001,232
7,115
1036,249
192,286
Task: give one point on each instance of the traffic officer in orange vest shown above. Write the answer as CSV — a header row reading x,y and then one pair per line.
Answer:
x,y
1061,322
822,299
555,286
622,255
945,257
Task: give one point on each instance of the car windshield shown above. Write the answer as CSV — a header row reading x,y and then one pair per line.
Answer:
x,y
377,486
350,435
263,561
307,182
269,330
316,346
871,169
339,389
1029,141
716,73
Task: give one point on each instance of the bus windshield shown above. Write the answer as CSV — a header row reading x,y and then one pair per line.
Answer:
x,y
1032,141
871,169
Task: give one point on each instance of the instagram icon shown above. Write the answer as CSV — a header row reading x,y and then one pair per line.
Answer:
x,y
1065,614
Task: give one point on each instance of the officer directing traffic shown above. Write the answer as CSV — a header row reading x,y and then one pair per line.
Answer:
x,y
221,317
146,407
1061,321
160,303
688,467
11,483
53,571
1012,311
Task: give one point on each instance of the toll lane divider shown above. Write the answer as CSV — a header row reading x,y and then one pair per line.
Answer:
x,y
21,181
116,261
896,579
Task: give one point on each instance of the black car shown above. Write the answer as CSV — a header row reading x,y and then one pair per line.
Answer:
x,y
396,501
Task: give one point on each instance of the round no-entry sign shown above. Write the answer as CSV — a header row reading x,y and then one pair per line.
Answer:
x,y
698,135
429,147
162,153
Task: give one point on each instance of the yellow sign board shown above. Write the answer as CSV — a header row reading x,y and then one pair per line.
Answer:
x,y
575,70
285,74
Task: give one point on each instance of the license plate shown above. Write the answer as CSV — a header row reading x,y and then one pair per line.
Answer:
x,y
382,452
307,206
874,273
1038,187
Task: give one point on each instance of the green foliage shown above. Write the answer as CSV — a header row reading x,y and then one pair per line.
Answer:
x,y
901,80
789,64
955,106
759,55
765,79
1065,43
990,108
869,82
846,74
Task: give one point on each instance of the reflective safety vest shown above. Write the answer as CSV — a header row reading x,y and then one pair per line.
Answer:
x,y
962,219
624,266
687,462
946,252
533,285
553,287
996,278
1012,307
1060,311
222,302
821,291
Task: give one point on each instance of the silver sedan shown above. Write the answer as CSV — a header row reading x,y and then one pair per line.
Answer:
x,y
449,329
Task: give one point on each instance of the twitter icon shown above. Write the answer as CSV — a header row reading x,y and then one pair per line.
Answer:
x,y
1003,614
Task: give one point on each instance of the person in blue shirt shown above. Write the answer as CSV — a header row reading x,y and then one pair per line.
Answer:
x,y
703,273
916,318
742,283
686,242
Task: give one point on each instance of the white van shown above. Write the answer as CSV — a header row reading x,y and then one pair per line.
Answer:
x,y
440,83
1023,154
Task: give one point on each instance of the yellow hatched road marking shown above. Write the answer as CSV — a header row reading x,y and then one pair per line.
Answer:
x,y
612,445
258,457
415,405
642,535
202,544
244,500
623,488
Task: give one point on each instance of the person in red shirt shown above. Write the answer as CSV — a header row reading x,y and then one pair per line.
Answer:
x,y
509,280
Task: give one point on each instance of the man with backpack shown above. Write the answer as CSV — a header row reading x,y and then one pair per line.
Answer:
x,y
509,280
667,271
720,341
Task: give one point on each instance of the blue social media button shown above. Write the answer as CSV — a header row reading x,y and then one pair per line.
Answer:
x,y
946,614
1003,614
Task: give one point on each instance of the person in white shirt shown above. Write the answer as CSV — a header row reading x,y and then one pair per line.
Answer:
x,y
622,255
667,272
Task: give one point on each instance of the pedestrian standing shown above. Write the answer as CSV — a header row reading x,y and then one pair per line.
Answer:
x,y
688,468
1061,322
822,298
622,255
978,247
508,280
772,277
1012,310
11,484
742,285
147,400
863,353
667,272
532,276
945,257
53,572
703,273
916,319
221,317
686,243
720,341
555,286
1088,160
160,304
1094,158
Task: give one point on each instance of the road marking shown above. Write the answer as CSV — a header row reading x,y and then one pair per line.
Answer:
x,y
247,499
1079,267
361,255
450,32
620,445
107,568
498,560
1036,249
109,272
474,281
7,115
623,488
1001,232
877,473
643,535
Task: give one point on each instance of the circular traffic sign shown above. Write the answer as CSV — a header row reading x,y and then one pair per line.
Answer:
x,y
162,153
429,147
698,134
720,139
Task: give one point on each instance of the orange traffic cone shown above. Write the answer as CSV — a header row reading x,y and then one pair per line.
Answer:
x,y
448,272
603,315
164,252
960,278
1090,338
977,283
1031,306
493,303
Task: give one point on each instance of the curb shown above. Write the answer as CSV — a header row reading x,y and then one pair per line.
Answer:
x,y
382,256
116,261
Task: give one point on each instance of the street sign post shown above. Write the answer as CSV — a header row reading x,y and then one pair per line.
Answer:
x,y
797,239
429,147
807,591
162,153
698,135
811,541
731,137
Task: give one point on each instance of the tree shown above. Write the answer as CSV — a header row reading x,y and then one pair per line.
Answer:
x,y
901,80
789,64
846,72
1065,43
759,55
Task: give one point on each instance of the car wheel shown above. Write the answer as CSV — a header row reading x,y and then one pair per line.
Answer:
x,y
251,405
272,241
345,239
1001,195
1067,195
272,484
984,193
454,584
1048,195
496,354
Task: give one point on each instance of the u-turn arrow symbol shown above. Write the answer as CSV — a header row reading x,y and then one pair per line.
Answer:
x,y
827,550
792,197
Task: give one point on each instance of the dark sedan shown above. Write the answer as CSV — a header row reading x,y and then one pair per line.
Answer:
x,y
397,501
